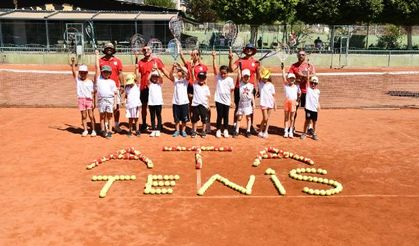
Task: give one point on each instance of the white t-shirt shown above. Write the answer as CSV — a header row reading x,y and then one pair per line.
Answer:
x,y
180,93
106,88
291,92
267,92
312,99
84,88
223,90
155,95
200,95
246,94
133,96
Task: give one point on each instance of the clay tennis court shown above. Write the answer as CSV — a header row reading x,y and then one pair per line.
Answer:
x,y
48,198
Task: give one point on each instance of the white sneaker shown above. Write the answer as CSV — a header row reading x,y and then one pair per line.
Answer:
x,y
157,134
260,134
225,133
291,135
265,135
93,134
286,134
152,134
218,133
85,133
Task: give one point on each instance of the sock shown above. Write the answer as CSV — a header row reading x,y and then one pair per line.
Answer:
x,y
291,129
286,129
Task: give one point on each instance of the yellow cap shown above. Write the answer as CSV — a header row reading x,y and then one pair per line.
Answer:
x,y
130,79
265,73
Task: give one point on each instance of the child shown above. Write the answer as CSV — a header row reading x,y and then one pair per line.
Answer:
x,y
267,101
85,95
246,102
222,97
200,103
106,93
312,107
292,92
133,104
155,101
180,99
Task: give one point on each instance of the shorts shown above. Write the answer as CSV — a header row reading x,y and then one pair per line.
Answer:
x,y
199,112
181,113
132,113
190,89
244,110
290,105
311,115
144,96
106,105
85,103
303,100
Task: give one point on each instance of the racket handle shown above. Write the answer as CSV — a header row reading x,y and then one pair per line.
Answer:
x,y
282,65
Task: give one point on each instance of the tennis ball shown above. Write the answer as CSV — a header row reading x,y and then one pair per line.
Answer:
x,y
166,183
166,177
322,192
159,177
169,191
315,179
94,178
121,177
133,177
177,177
172,183
127,177
306,189
164,191
147,191
154,176
311,191
320,180
99,178
152,191
158,191
316,192
329,193
155,183
161,183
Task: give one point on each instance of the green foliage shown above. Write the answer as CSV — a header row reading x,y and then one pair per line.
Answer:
x,y
401,12
357,41
202,11
391,38
161,3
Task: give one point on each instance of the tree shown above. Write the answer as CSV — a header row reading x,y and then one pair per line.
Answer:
x,y
161,3
202,11
254,12
402,12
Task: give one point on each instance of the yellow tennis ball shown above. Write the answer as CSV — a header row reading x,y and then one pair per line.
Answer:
x,y
133,177
177,177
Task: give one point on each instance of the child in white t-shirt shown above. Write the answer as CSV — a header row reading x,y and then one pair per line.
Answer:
x,y
292,92
106,94
312,107
224,87
200,103
155,102
267,101
133,104
180,99
246,103
85,96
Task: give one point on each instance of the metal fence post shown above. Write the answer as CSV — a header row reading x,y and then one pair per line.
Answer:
x,y
389,58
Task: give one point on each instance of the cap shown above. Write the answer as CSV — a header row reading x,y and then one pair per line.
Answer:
x,y
106,68
83,68
246,72
290,75
265,73
251,47
314,79
109,45
202,75
130,79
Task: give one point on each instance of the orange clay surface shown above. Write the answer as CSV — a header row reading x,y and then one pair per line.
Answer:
x,y
47,198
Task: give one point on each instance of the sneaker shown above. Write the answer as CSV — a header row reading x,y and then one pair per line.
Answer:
x,y
184,134
144,127
261,134
203,134
193,134
225,133
252,130
104,134
109,135
129,134
157,134
291,135
303,136
310,131
315,137
93,134
248,134
117,129
85,133
285,134
175,134
235,134
138,133
152,134
218,133
265,135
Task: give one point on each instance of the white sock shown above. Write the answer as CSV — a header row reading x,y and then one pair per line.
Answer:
x,y
291,129
286,129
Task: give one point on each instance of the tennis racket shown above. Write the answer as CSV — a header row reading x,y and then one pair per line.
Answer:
x,y
283,52
173,48
230,31
90,33
70,36
176,27
237,46
137,42
156,45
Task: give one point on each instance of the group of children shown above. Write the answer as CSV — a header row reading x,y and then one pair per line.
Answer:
x,y
198,109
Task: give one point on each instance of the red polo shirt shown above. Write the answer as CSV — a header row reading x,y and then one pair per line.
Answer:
x,y
251,64
302,68
145,67
116,65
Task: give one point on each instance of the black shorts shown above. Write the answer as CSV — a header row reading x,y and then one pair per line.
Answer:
x,y
144,96
199,112
181,113
303,100
311,115
190,89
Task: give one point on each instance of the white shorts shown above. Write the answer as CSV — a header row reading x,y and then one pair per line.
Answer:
x,y
106,105
132,112
245,110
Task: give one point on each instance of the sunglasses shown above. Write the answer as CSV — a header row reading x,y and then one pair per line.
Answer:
x,y
313,83
301,54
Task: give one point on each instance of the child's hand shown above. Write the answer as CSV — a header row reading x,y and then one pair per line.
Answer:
x,y
214,54
230,54
96,52
73,60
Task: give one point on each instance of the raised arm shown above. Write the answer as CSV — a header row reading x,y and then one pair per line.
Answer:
x,y
73,67
182,57
214,63
97,66
284,77
172,78
231,65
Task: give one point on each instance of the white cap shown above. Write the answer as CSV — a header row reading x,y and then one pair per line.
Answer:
x,y
246,72
290,75
83,68
314,79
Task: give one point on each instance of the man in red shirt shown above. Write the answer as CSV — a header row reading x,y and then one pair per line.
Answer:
x,y
246,62
115,63
302,70
145,66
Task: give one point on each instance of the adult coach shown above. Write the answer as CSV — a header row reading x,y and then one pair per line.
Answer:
x,y
302,70
145,67
115,63
246,62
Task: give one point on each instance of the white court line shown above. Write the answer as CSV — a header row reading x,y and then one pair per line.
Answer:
x,y
34,71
